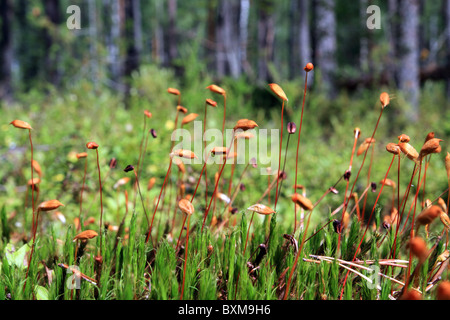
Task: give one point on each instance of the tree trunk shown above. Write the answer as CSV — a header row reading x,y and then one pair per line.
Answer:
x,y
132,51
228,57
53,12
112,42
210,45
93,38
172,51
325,51
447,40
393,36
408,71
243,36
6,52
158,39
304,42
293,41
132,58
364,38
220,34
266,37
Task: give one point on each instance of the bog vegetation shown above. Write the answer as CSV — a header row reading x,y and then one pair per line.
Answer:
x,y
95,203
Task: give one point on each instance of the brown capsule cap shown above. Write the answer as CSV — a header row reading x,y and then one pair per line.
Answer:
x,y
180,165
49,205
431,146
91,145
85,235
219,150
442,203
393,148
173,91
418,248
409,151
445,220
261,209
309,67
182,109
357,132
302,201
89,221
388,182
151,183
121,182
187,154
82,155
33,181
362,148
245,124
428,215
411,295
216,89
211,103
147,113
186,206
189,118
403,138
278,91
36,167
429,136
443,291
447,164
384,99
21,124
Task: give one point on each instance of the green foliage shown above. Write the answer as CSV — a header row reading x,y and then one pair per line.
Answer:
x,y
64,121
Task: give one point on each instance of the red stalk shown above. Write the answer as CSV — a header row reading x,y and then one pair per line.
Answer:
x,y
279,157
159,198
81,195
298,147
367,227
101,203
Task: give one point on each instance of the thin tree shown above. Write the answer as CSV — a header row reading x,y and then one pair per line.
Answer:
x,y
408,66
325,47
266,38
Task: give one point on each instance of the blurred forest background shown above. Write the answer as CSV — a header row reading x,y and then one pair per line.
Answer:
x,y
256,41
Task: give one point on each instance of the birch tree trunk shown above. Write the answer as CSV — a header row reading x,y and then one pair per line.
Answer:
x,y
243,36
172,51
293,41
325,25
393,35
52,11
408,71
304,40
112,42
266,37
228,48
